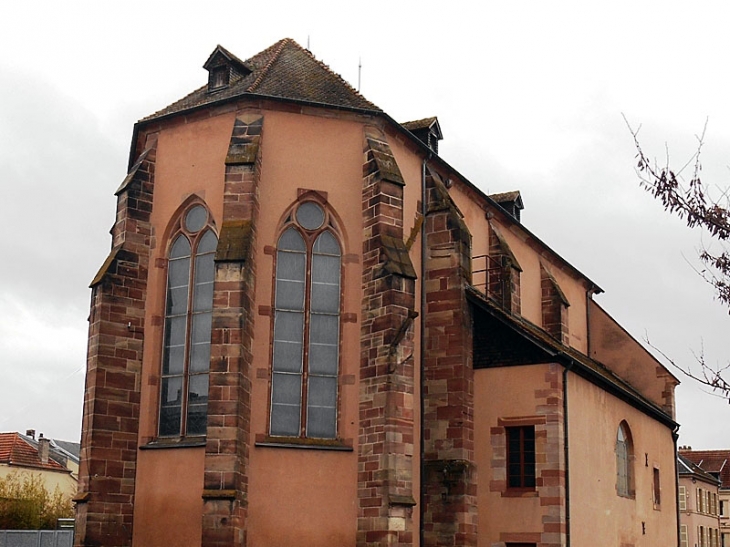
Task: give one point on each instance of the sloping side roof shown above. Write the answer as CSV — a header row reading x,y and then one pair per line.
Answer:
x,y
712,461
686,467
595,371
284,70
16,451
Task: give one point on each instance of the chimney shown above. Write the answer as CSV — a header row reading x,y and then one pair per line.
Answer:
x,y
30,433
44,446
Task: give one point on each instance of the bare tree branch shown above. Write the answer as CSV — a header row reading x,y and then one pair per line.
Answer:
x,y
709,376
693,203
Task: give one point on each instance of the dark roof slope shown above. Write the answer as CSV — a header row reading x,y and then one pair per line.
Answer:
x,y
514,195
715,462
16,451
548,346
688,468
284,70
424,123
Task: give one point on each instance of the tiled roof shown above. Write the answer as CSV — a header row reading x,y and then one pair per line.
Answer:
x,y
284,70
16,451
506,196
716,462
686,467
425,123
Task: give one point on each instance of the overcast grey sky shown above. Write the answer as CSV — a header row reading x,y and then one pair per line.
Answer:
x,y
529,95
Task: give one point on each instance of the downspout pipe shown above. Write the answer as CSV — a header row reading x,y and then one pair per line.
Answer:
x,y
675,437
422,358
566,448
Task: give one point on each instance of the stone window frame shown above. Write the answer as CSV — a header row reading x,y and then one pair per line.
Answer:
x,y
500,462
330,224
656,490
625,474
178,228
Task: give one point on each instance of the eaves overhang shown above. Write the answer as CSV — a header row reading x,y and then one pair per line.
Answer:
x,y
584,366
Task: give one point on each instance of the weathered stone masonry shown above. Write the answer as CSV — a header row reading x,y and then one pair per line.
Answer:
x,y
229,399
114,364
386,408
450,508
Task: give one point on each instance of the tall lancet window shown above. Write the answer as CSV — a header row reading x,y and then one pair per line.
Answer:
x,y
306,333
624,462
188,315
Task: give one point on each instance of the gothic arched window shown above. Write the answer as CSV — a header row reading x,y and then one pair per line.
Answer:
x,y
624,462
188,315
306,335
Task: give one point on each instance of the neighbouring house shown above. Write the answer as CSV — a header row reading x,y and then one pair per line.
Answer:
x,y
312,330
717,464
698,505
23,453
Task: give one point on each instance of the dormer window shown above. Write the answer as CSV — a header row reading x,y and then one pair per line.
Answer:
x,y
223,68
510,202
219,77
427,130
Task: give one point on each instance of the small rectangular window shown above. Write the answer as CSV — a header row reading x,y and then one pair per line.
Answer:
x,y
521,457
724,510
683,537
657,489
219,77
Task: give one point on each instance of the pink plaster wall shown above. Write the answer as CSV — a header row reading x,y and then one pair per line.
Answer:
x,y
593,420
168,503
617,349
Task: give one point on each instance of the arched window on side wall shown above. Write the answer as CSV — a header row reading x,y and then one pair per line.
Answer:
x,y
306,334
624,462
188,320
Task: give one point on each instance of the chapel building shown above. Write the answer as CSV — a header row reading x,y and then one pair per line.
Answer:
x,y
312,330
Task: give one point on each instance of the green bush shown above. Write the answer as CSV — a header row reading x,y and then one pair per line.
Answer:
x,y
26,503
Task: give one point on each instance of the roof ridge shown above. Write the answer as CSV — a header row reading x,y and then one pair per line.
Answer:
x,y
281,43
324,66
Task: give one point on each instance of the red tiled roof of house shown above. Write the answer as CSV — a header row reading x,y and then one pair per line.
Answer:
x,y
713,461
284,70
15,451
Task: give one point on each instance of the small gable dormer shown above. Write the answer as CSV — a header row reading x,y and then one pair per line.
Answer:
x,y
510,202
427,130
223,67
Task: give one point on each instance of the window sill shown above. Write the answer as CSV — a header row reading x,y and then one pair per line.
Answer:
x,y
520,493
267,441
188,442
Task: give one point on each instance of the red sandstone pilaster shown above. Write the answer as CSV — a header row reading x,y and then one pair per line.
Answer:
x,y
225,504
450,482
114,361
386,437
